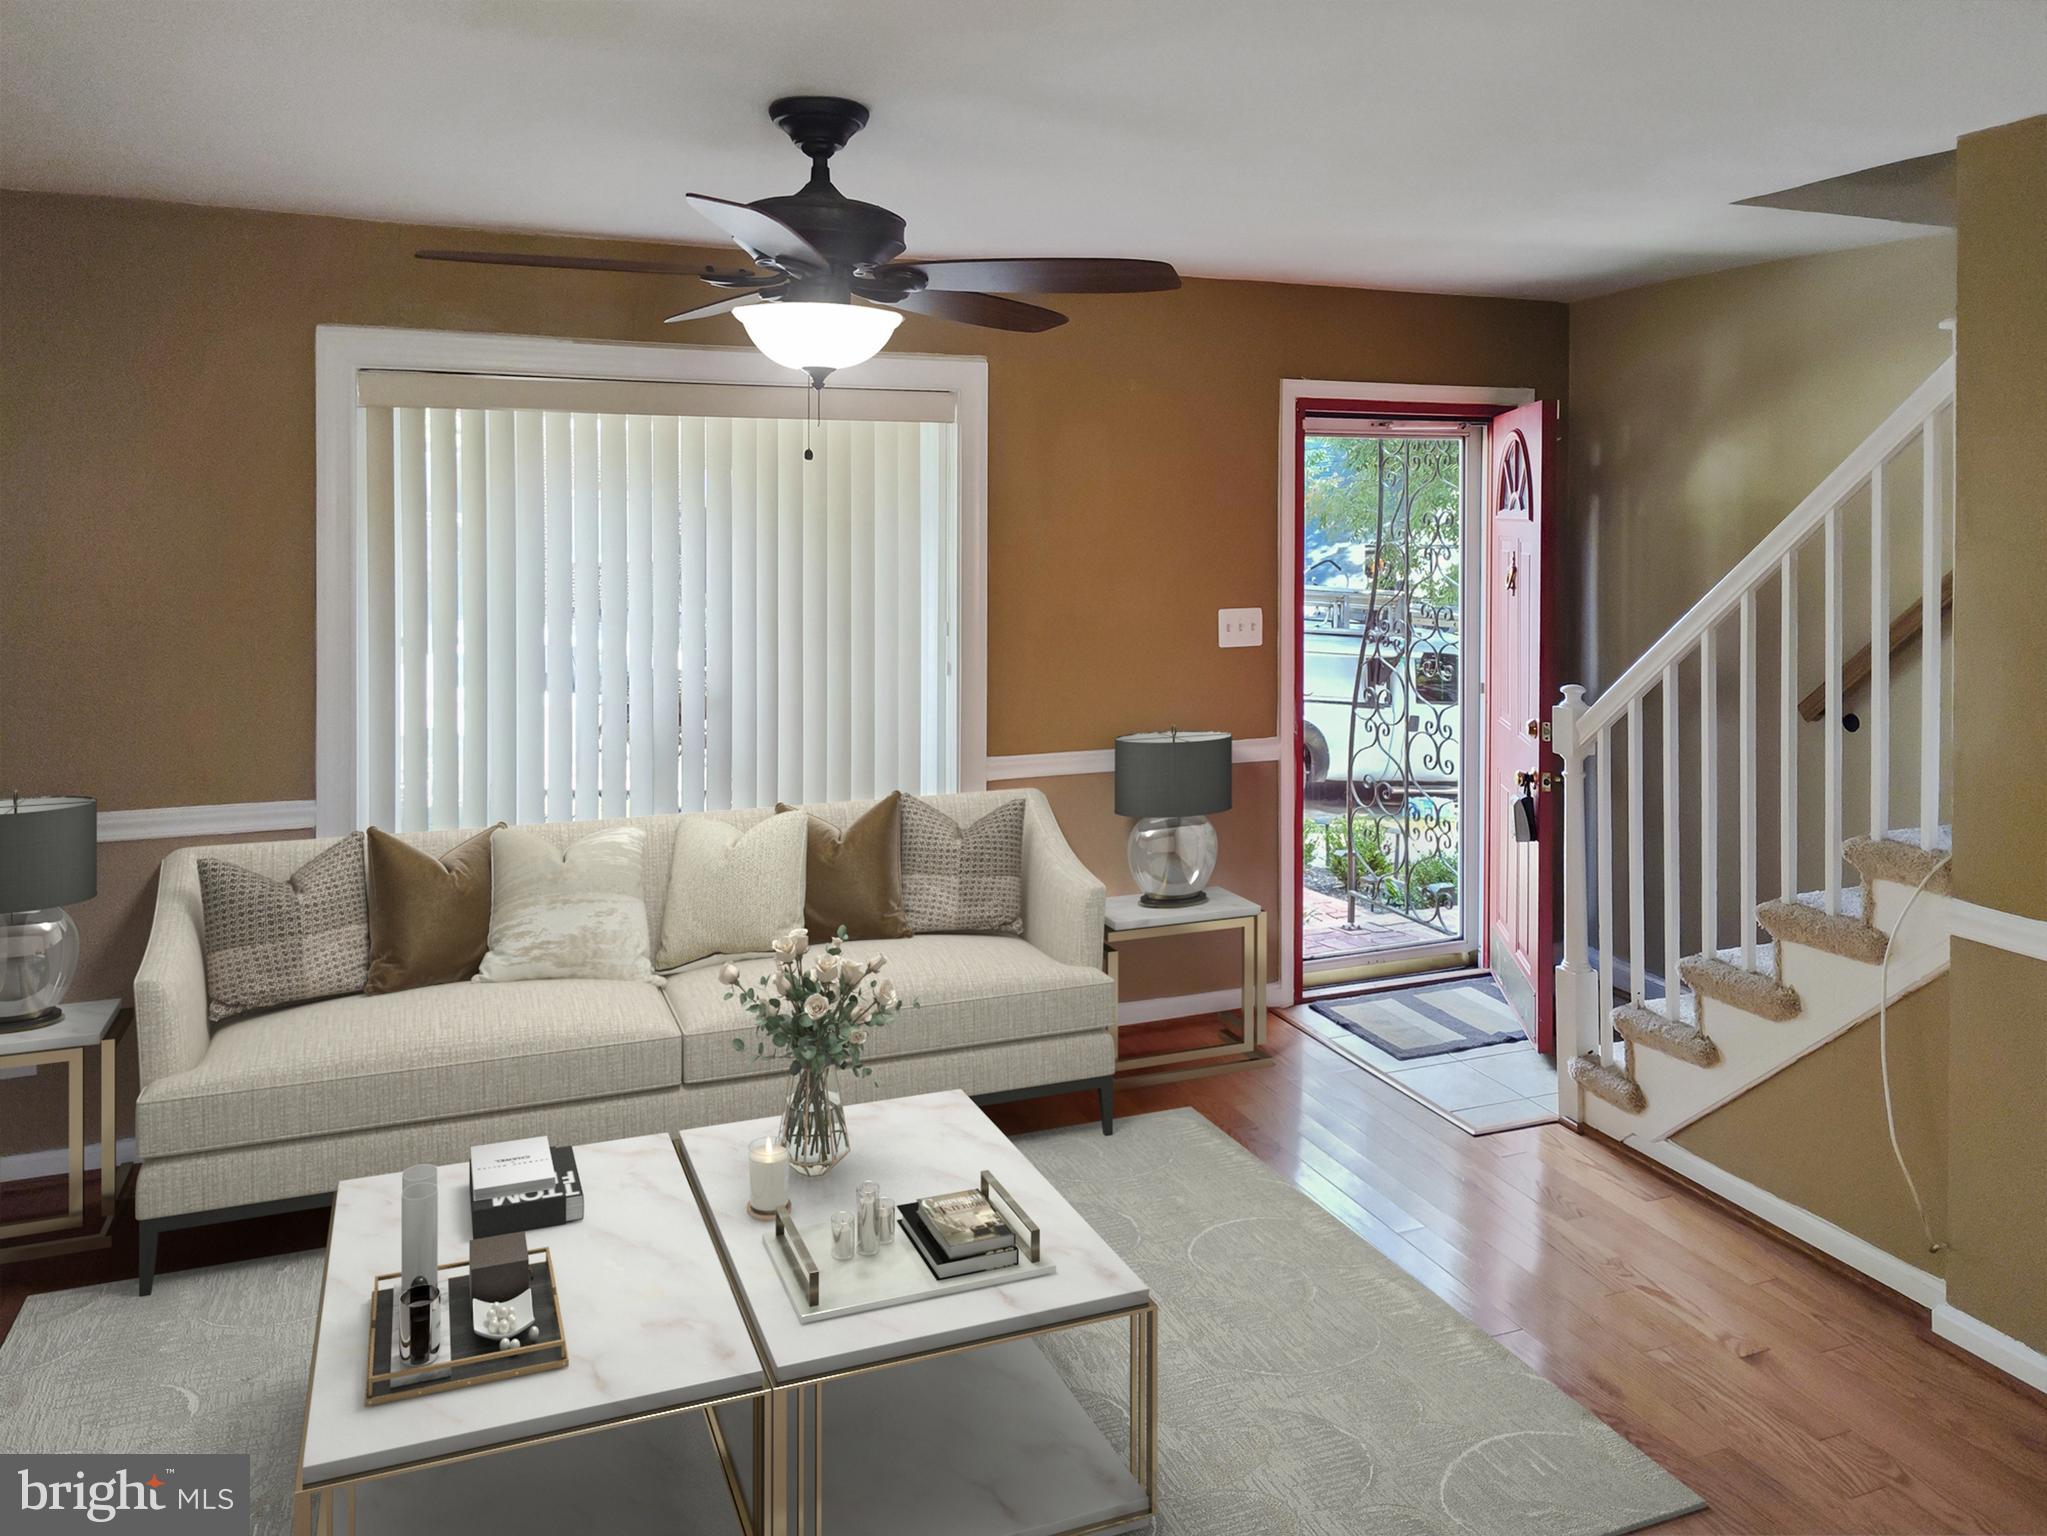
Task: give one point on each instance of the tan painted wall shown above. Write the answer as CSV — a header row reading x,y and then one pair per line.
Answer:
x,y
1998,1076
1701,412
1815,1133
156,465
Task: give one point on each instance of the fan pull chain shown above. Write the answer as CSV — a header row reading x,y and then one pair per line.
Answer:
x,y
814,402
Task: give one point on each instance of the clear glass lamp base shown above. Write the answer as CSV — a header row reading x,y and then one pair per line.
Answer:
x,y
38,958
1172,858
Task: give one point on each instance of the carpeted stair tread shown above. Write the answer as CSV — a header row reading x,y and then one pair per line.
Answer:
x,y
1898,856
1643,1024
1722,977
1805,920
1608,1083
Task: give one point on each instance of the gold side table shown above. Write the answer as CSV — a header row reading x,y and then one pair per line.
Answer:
x,y
65,1043
1126,920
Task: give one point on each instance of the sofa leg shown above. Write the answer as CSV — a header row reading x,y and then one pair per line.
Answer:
x,y
1107,1095
145,1252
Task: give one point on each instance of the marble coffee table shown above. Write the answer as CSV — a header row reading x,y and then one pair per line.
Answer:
x,y
940,1416
653,1330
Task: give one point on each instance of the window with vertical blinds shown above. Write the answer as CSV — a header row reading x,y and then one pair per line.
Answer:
x,y
581,598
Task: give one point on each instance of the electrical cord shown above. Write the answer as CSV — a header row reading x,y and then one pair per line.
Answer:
x,y
1883,1055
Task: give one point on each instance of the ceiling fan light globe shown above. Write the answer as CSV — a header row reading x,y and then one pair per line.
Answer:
x,y
812,336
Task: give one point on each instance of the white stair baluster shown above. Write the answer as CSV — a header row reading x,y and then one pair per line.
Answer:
x,y
1830,847
1638,948
1879,726
1748,780
1609,918
1709,795
1672,907
1932,557
1787,727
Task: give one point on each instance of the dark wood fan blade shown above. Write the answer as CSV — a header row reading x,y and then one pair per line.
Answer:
x,y
722,307
1044,274
980,309
573,263
762,236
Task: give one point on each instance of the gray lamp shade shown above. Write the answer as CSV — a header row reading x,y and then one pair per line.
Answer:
x,y
1173,773
49,851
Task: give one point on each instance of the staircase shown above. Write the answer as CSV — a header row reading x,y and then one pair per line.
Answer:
x,y
1644,1057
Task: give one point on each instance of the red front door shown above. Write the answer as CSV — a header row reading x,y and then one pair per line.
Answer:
x,y
1521,686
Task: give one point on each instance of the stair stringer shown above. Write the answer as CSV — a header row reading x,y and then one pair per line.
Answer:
x,y
1836,993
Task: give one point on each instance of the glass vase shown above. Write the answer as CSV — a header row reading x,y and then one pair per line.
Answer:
x,y
814,1123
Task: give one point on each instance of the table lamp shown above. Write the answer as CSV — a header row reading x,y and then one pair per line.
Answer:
x,y
49,858
1172,781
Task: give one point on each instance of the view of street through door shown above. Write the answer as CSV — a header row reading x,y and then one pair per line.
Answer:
x,y
1387,704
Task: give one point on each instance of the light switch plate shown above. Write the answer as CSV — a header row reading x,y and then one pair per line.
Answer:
x,y
1240,626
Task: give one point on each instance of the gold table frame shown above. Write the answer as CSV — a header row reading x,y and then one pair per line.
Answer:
x,y
788,1419
111,1187
1236,1049
328,1507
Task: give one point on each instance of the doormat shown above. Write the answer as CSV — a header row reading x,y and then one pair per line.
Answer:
x,y
1429,1021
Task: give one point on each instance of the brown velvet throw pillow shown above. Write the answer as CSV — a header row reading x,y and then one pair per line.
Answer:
x,y
429,917
855,880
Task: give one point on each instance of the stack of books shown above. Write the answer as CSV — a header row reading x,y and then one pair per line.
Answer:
x,y
515,1186
960,1234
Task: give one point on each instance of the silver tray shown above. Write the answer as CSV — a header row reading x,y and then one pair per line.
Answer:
x,y
895,1276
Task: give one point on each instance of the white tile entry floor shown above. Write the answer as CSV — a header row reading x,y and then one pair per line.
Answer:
x,y
1488,1088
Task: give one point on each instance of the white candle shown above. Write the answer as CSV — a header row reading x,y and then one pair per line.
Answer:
x,y
767,1174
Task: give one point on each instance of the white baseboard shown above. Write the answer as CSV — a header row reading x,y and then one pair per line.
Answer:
x,y
1887,1269
1154,1010
2008,1354
54,1162
2005,930
185,821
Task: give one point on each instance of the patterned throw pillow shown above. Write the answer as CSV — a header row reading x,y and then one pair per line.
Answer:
x,y
962,880
574,911
732,892
273,942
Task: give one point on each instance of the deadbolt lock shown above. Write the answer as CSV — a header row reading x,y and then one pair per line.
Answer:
x,y
1544,781
1538,730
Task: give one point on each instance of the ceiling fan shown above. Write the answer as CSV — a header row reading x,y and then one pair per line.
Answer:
x,y
828,289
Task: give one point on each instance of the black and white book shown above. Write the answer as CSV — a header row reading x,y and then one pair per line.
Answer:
x,y
964,1224
559,1203
510,1167
935,1258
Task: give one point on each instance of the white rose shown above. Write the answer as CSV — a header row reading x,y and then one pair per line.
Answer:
x,y
828,965
816,1005
885,994
876,964
783,983
729,975
858,1037
850,971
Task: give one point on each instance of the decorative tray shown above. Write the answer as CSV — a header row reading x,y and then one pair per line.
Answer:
x,y
897,1274
466,1357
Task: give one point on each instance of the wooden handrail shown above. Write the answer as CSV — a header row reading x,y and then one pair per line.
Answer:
x,y
1855,669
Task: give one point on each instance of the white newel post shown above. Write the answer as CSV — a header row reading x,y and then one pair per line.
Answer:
x,y
1573,974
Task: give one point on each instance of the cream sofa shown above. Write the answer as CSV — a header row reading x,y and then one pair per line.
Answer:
x,y
267,1113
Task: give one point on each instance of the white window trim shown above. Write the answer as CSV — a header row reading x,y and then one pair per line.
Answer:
x,y
1291,392
340,352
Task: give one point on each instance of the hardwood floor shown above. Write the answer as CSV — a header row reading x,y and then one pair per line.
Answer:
x,y
1792,1398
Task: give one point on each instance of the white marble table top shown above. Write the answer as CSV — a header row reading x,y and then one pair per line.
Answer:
x,y
922,1145
82,1024
651,1321
1123,913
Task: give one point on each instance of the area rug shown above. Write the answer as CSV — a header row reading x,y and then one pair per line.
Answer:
x,y
1428,1021
1307,1386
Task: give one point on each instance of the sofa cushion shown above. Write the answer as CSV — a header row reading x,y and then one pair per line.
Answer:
x,y
732,891
568,913
270,942
853,878
972,989
353,1063
962,879
429,917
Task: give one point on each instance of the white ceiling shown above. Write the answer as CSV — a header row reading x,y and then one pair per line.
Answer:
x,y
1551,148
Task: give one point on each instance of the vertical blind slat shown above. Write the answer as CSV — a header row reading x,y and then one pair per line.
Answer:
x,y
529,626
411,560
664,617
443,680
581,614
377,678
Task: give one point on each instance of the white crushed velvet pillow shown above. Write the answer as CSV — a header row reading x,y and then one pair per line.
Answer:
x,y
574,911
732,892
